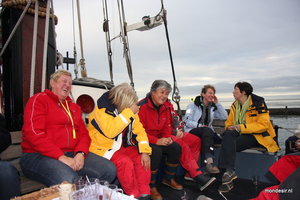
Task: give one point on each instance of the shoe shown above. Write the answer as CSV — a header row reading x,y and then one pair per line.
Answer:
x,y
228,177
172,183
188,177
154,194
204,180
212,169
203,197
226,187
147,197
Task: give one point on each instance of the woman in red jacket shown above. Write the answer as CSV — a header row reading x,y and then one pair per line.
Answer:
x,y
155,114
55,140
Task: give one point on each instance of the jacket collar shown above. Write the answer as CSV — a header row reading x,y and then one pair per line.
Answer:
x,y
105,102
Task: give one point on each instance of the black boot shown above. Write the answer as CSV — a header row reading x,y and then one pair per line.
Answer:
x,y
204,180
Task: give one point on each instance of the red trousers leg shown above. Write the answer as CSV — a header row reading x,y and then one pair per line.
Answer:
x,y
132,176
189,159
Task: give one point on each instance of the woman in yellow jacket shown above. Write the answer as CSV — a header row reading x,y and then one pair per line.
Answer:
x,y
118,135
248,125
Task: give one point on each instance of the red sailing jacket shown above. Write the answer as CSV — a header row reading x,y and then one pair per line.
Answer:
x,y
48,129
156,122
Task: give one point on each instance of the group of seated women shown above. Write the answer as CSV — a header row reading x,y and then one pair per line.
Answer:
x,y
127,139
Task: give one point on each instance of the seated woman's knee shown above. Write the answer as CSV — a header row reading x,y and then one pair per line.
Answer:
x,y
176,148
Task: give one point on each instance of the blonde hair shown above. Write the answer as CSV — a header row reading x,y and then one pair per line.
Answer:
x,y
123,96
56,75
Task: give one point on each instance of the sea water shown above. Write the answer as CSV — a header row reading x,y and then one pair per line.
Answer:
x,y
287,126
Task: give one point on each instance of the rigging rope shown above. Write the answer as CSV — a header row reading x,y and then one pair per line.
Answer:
x,y
74,47
175,94
15,28
108,40
34,45
45,51
82,60
125,41
288,129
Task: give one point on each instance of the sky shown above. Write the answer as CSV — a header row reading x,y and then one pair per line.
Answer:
x,y
218,42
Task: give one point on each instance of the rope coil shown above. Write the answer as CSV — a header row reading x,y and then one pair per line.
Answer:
x,y
21,5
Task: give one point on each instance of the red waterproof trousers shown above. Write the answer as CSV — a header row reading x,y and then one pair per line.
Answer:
x,y
190,150
132,176
285,166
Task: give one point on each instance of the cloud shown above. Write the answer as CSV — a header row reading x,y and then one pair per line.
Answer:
x,y
213,42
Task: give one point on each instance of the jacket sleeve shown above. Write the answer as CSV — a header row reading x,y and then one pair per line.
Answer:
x,y
230,118
111,126
143,143
220,113
84,140
143,119
34,128
189,116
258,124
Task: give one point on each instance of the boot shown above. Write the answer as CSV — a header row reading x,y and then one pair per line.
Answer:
x,y
204,181
154,194
169,177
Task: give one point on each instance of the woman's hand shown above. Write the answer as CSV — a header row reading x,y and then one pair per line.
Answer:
x,y
179,133
215,100
164,141
68,161
135,108
145,159
236,127
79,159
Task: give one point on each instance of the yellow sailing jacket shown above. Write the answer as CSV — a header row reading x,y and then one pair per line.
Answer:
x,y
106,126
257,122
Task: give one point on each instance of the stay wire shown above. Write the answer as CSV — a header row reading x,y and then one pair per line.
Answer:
x,y
108,40
175,94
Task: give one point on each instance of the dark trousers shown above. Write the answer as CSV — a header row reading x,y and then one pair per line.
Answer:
x,y
207,140
233,142
172,153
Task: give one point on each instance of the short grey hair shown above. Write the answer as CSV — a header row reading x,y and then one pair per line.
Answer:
x,y
160,84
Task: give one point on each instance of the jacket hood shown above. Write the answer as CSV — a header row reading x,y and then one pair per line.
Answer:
x,y
105,102
257,100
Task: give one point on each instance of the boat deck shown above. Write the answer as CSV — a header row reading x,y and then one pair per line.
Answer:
x,y
243,189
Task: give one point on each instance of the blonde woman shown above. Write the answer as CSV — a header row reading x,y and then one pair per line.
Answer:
x,y
118,135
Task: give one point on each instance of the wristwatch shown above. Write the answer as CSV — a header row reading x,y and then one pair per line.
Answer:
x,y
81,152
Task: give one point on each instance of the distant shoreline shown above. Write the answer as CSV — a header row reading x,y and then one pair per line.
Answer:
x,y
284,111
276,111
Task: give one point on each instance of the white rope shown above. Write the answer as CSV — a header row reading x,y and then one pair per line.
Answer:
x,y
15,28
45,50
82,60
74,43
34,41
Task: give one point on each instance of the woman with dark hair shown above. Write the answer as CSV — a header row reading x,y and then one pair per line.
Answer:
x,y
248,125
156,116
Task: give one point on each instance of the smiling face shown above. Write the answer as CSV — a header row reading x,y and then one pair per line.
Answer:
x,y
208,96
160,96
62,86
